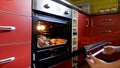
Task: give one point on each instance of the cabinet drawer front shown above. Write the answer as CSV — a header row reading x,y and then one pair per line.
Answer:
x,y
20,7
22,32
106,20
21,53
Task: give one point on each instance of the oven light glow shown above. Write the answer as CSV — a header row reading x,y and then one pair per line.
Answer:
x,y
40,27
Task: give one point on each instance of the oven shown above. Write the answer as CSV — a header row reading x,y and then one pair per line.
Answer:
x,y
51,33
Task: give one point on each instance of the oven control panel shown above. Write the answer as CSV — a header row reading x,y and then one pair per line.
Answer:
x,y
52,7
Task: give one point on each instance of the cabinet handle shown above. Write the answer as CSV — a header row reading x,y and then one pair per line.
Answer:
x,y
88,23
107,31
46,6
7,60
106,20
66,12
92,23
7,28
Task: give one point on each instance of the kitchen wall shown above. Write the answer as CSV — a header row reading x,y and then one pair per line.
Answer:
x,y
98,5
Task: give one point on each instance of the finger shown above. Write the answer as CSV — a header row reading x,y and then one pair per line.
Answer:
x,y
89,62
105,47
96,60
104,51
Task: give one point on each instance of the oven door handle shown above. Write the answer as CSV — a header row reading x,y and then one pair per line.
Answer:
x,y
98,52
7,60
7,28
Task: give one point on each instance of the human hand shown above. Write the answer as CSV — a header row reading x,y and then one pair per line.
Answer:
x,y
96,63
109,50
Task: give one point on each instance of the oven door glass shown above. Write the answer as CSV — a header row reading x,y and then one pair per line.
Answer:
x,y
51,34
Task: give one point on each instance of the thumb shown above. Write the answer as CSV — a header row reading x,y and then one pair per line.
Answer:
x,y
89,61
96,60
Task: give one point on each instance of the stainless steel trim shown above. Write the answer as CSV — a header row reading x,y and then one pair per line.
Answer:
x,y
51,7
33,57
34,66
7,28
70,5
7,60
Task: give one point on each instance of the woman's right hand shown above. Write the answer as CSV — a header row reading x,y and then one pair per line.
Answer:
x,y
97,63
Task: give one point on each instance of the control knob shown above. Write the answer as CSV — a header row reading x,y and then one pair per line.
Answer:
x,y
66,12
46,6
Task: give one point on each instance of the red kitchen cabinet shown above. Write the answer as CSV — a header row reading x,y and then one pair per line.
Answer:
x,y
21,52
22,7
83,33
106,27
17,42
22,33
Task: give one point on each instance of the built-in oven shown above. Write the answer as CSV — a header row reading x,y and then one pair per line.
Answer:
x,y
51,33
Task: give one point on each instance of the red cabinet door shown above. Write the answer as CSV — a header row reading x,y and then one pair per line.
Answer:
x,y
106,27
83,30
21,53
83,33
22,7
22,33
